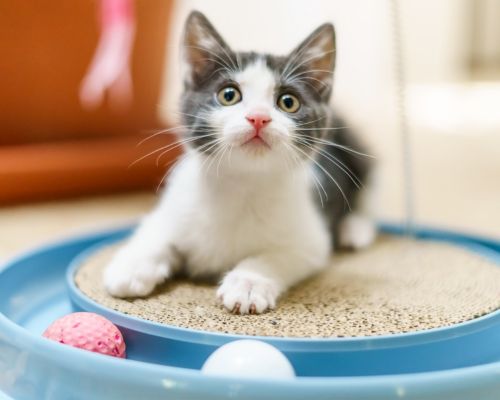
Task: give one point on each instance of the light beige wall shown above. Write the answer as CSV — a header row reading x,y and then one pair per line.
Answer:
x,y
437,39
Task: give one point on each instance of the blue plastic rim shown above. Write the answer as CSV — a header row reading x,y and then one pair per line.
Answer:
x,y
33,294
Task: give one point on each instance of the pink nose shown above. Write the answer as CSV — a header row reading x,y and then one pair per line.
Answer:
x,y
258,121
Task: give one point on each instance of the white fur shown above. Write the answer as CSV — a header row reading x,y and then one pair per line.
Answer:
x,y
266,229
247,212
356,231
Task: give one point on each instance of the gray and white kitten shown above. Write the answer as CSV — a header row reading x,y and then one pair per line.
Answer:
x,y
262,194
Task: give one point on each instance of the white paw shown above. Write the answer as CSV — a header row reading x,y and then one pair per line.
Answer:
x,y
133,274
356,232
244,292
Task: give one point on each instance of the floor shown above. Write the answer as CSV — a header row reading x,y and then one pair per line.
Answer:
x,y
26,226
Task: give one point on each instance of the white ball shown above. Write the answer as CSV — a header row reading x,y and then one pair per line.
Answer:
x,y
250,359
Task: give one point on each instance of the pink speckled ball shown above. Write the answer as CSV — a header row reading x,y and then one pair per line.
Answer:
x,y
88,331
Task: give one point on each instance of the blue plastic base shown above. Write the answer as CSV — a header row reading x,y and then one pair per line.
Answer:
x,y
33,294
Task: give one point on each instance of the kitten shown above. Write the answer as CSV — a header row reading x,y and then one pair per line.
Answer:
x,y
263,191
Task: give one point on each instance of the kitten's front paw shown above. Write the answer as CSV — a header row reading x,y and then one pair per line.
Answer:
x,y
132,274
244,292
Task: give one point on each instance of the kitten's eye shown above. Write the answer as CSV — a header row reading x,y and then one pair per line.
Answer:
x,y
228,96
288,103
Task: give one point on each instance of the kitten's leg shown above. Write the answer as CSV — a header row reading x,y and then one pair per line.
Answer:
x,y
255,284
356,231
145,261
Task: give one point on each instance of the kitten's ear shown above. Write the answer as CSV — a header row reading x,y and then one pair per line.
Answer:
x,y
314,60
203,48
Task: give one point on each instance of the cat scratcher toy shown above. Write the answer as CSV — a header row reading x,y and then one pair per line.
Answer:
x,y
447,345
413,317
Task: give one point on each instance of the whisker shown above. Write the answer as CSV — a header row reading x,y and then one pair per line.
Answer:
x,y
174,144
180,131
161,132
221,157
289,154
326,172
230,153
318,183
315,179
311,122
149,154
189,140
284,155
175,162
336,128
196,116
213,156
203,149
342,166
210,157
333,144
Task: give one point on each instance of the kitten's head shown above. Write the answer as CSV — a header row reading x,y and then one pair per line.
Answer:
x,y
264,110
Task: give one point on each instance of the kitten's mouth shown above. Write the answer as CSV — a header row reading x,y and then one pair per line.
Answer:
x,y
256,140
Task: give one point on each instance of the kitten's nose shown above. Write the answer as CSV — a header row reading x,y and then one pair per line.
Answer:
x,y
258,121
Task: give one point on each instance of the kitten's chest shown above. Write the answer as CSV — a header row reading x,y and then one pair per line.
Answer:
x,y
233,225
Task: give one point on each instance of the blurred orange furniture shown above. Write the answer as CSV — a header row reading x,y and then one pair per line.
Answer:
x,y
51,147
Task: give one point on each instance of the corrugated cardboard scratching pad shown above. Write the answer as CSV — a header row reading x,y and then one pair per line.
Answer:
x,y
395,286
